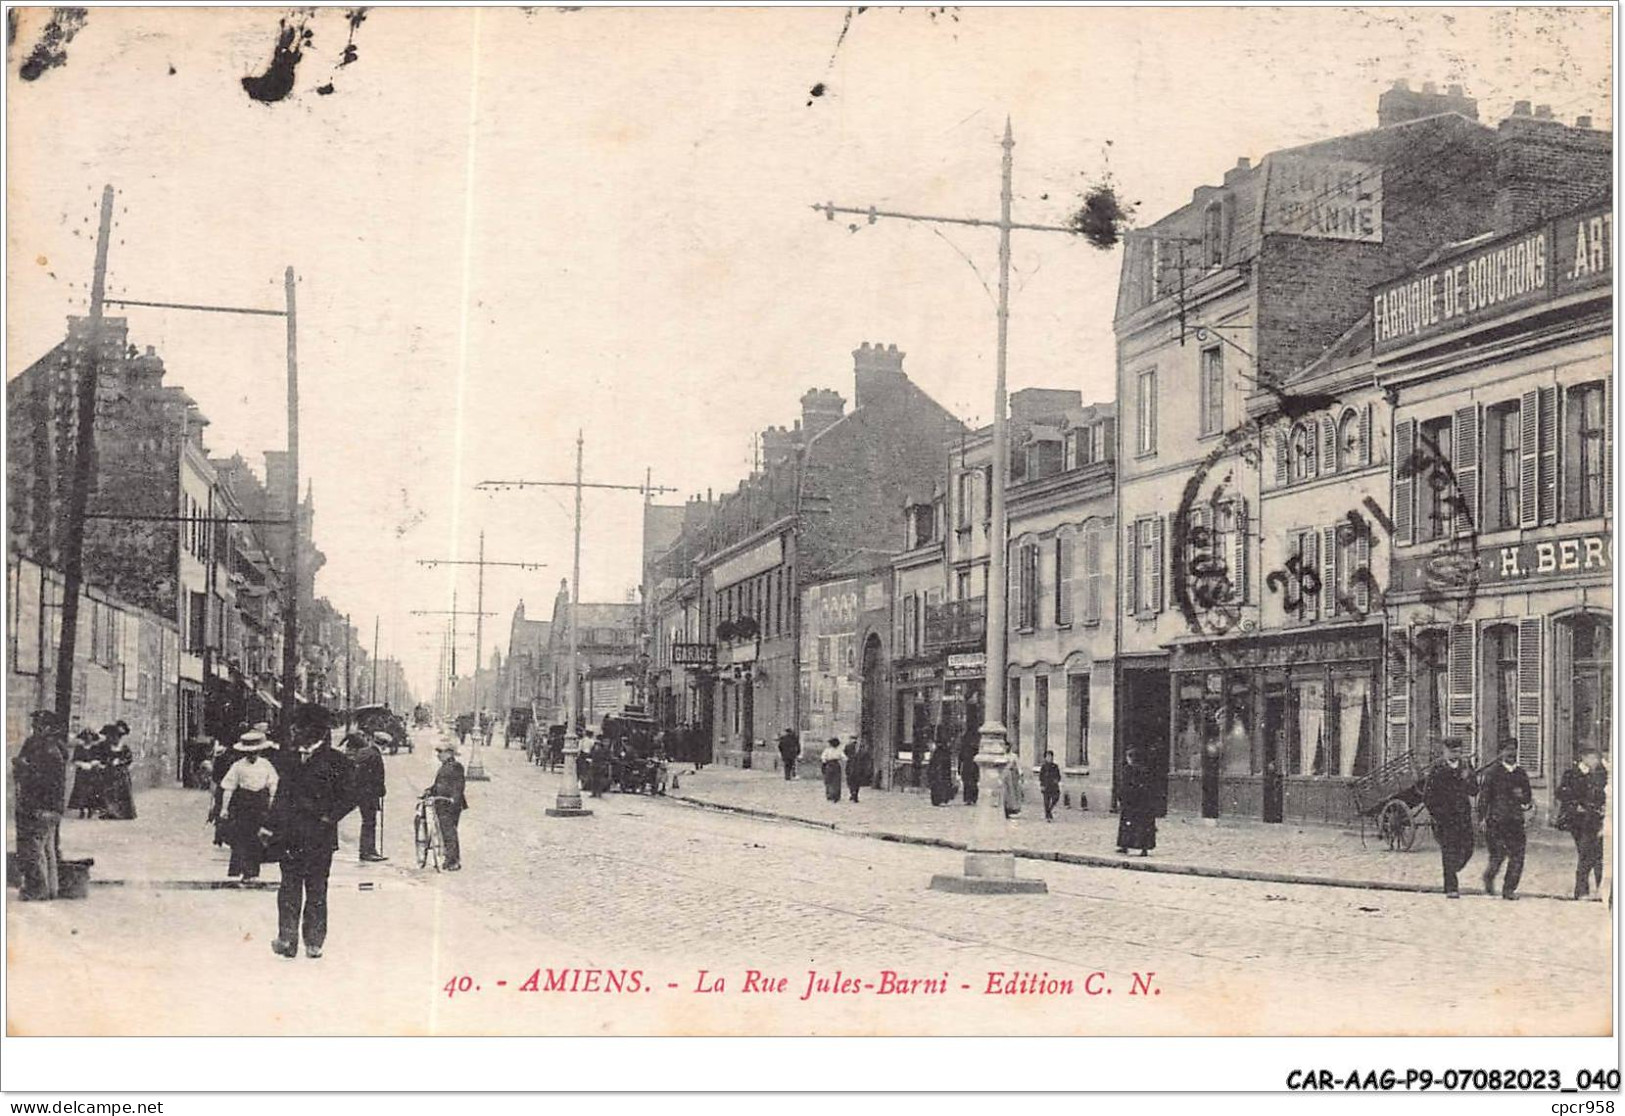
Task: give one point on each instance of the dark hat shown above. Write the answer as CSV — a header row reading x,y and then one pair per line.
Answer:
x,y
313,718
1452,742
46,717
115,729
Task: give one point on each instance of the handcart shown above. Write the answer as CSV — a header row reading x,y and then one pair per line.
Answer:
x,y
1391,796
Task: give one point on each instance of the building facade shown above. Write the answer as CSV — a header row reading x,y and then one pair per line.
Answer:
x,y
1499,358
1062,616
1232,295
845,660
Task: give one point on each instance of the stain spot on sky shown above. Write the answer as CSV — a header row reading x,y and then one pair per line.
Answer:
x,y
51,50
277,81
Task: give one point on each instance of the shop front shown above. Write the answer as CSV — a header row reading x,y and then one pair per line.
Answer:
x,y
917,687
964,692
1524,652
1279,726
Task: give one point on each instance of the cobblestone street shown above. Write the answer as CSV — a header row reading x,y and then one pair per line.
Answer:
x,y
672,889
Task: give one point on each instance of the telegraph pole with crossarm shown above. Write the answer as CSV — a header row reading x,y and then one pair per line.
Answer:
x,y
990,865
568,802
476,769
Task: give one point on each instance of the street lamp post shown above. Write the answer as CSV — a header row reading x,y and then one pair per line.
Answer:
x,y
568,802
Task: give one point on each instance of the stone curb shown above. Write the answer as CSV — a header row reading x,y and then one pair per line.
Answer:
x,y
1089,860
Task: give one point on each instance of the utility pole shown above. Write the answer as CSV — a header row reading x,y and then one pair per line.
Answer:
x,y
568,802
290,614
448,663
372,696
89,353
990,865
476,769
349,642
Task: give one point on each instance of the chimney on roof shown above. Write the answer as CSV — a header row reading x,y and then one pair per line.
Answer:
x,y
820,409
1520,108
878,373
1399,104
1582,121
1543,112
1243,165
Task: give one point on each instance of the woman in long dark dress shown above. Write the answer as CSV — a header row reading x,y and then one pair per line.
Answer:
x,y
969,775
940,774
90,758
1137,814
245,800
119,794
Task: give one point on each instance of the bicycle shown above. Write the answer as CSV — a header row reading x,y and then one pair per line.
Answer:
x,y
426,833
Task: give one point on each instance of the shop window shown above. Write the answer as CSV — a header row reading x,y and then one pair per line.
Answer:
x,y
1211,393
1354,725
1308,754
1301,452
1502,447
1434,480
1584,449
1077,721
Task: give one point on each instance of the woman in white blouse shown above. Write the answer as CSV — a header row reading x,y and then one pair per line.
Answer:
x,y
245,798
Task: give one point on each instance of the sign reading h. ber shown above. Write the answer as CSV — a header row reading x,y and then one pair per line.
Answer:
x,y
1492,279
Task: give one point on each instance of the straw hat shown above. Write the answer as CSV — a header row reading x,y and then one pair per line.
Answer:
x,y
252,742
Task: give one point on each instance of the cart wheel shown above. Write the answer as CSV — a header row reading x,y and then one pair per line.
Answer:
x,y
1396,827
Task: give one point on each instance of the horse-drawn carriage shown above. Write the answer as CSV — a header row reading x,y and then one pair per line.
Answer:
x,y
380,718
627,756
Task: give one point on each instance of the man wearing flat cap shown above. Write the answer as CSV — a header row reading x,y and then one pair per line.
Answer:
x,y
316,789
447,798
369,789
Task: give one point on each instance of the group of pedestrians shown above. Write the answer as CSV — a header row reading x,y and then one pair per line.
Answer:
x,y
101,774
852,763
1504,801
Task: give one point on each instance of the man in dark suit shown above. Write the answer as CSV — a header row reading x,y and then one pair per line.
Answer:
x,y
1582,796
39,773
1448,791
369,790
1503,800
316,790
449,803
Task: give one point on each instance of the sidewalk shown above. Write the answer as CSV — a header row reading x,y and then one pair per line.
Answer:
x,y
1234,848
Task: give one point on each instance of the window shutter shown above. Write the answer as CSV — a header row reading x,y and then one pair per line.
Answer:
x,y
1366,456
1328,572
1608,447
1460,711
1528,458
1131,569
1282,457
1529,694
1308,559
1064,548
1466,449
1399,700
1238,562
1328,445
1362,562
1548,455
1091,573
1404,470
1156,564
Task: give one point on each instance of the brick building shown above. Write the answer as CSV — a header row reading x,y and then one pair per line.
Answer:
x,y
823,497
527,676
1232,295
607,670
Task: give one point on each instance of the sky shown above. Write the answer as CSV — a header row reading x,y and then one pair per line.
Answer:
x,y
513,224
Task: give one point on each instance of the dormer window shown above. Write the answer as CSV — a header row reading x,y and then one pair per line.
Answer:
x,y
922,525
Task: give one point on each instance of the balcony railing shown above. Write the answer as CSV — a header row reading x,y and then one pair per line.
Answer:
x,y
955,622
